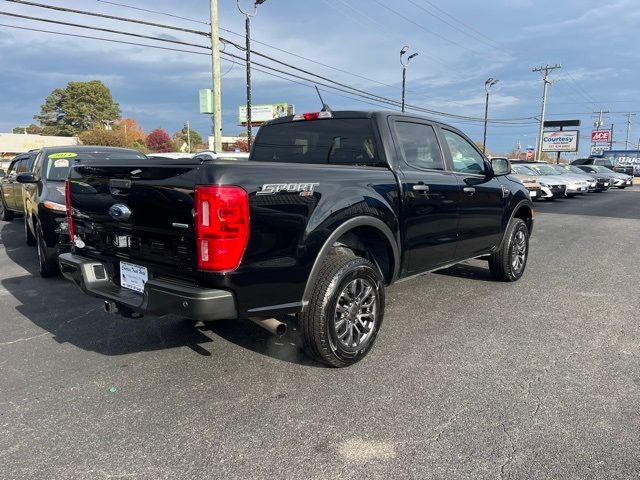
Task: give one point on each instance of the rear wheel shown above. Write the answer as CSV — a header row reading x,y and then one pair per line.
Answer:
x,y
6,215
341,322
48,264
508,263
28,236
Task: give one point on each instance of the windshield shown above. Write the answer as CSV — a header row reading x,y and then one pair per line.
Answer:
x,y
574,169
342,141
543,169
57,164
560,169
522,170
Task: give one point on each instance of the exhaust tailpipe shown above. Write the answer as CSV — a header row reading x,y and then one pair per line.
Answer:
x,y
272,325
110,307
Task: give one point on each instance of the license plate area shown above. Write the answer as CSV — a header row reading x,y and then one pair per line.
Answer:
x,y
133,277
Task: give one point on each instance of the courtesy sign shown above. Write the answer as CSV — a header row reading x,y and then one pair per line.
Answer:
x,y
560,141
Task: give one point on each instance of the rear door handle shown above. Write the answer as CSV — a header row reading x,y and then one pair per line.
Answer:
x,y
469,190
421,188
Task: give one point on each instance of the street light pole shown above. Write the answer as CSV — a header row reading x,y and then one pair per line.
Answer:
x,y
247,23
404,64
487,86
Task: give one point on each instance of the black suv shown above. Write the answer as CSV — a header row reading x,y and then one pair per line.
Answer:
x,y
43,196
10,189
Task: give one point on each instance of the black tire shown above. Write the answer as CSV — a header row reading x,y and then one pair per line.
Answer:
x,y
503,263
321,322
6,215
48,265
551,199
29,238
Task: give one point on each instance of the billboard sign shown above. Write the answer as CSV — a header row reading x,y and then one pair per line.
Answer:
x,y
560,141
599,149
263,113
206,100
601,136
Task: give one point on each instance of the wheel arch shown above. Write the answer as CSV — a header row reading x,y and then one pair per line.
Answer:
x,y
524,211
368,236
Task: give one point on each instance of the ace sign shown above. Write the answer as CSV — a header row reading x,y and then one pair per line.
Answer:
x,y
600,136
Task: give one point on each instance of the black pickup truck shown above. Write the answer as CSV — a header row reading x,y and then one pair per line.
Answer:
x,y
330,208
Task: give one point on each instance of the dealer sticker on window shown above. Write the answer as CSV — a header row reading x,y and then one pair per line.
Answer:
x,y
133,277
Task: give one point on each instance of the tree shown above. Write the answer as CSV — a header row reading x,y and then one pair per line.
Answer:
x,y
159,141
101,136
241,145
32,129
187,136
78,107
132,131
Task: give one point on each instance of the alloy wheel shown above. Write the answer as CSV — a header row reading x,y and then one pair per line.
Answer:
x,y
356,313
518,251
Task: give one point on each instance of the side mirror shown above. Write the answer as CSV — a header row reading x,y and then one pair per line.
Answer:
x,y
26,177
2,173
500,166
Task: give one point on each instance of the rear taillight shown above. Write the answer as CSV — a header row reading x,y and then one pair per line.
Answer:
x,y
222,226
67,198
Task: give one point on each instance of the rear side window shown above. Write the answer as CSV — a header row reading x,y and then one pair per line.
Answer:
x,y
465,157
419,145
337,141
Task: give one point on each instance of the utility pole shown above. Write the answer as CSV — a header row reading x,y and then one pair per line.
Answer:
x,y
547,70
598,123
215,74
611,138
188,136
626,142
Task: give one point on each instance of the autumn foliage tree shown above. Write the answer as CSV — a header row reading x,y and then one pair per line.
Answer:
x,y
159,141
241,145
132,131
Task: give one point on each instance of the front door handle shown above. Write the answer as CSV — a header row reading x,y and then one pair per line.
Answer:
x,y
469,190
421,188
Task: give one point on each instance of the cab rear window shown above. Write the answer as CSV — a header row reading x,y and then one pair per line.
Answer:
x,y
335,141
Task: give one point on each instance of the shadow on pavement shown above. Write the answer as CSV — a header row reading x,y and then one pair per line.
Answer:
x,y
60,308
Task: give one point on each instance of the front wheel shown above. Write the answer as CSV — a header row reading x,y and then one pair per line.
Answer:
x,y
507,264
48,264
341,322
28,236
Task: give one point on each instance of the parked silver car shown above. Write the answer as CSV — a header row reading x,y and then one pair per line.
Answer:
x,y
575,185
553,186
602,182
591,181
620,180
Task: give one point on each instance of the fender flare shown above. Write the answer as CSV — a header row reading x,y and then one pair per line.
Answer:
x,y
522,202
337,233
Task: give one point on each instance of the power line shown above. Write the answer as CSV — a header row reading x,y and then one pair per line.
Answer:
x,y
455,27
106,30
110,17
154,11
442,37
368,95
17,27
456,19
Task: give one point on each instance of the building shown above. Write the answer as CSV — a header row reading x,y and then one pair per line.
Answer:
x,y
14,143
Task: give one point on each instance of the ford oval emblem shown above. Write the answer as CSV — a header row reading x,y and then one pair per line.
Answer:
x,y
120,212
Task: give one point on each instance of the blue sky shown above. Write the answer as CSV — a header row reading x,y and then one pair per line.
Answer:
x,y
460,44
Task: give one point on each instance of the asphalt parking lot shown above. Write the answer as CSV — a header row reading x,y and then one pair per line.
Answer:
x,y
469,379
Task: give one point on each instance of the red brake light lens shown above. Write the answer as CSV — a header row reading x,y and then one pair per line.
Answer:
x,y
67,198
222,226
313,115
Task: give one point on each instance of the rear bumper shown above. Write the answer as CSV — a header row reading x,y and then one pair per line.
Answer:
x,y
160,297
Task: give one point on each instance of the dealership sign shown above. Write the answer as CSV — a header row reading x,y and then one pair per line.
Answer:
x,y
560,141
601,136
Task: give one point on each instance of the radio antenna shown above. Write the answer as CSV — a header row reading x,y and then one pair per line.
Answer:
x,y
325,107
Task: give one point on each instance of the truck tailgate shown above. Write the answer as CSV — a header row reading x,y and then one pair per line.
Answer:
x,y
141,212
